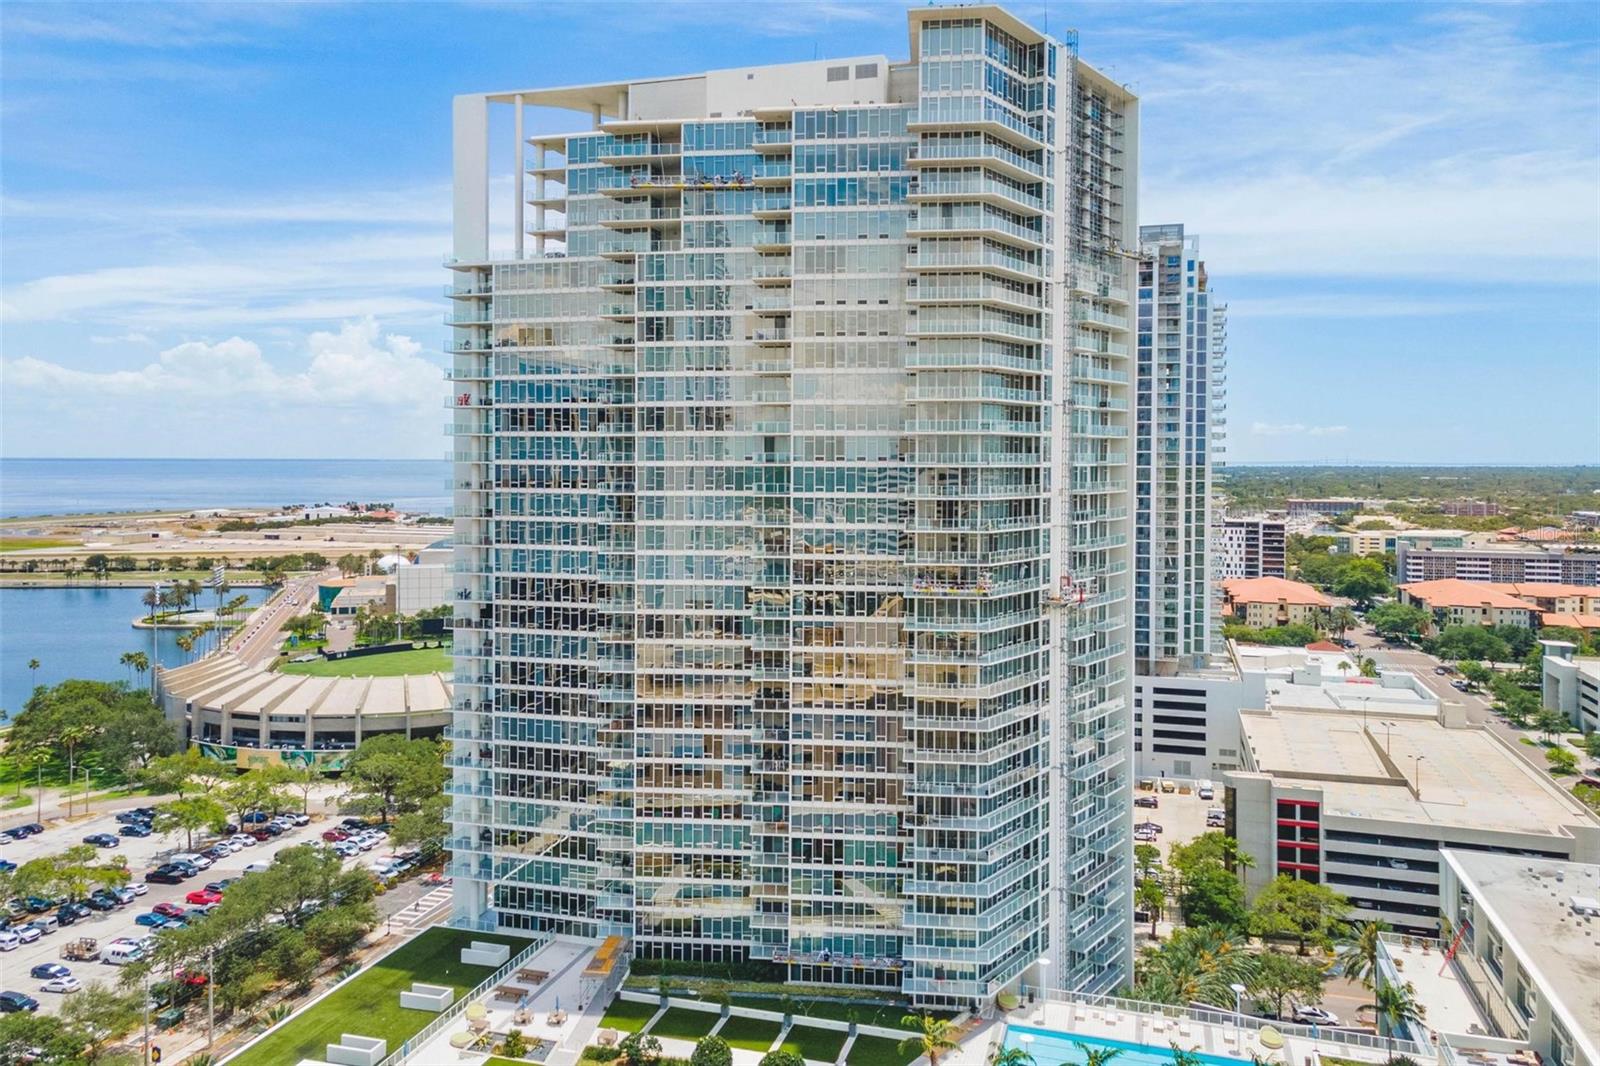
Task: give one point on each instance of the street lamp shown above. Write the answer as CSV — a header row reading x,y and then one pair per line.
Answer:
x,y
1386,735
1416,774
1238,1009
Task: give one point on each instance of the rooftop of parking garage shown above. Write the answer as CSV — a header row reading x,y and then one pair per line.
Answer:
x,y
1408,769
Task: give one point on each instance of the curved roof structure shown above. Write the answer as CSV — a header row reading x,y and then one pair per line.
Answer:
x,y
225,682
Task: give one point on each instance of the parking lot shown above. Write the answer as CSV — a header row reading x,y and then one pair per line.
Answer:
x,y
1181,815
140,855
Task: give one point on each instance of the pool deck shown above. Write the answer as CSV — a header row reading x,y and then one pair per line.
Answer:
x,y
1108,1022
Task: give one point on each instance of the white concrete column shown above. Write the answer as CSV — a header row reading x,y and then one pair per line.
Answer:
x,y
517,178
597,116
540,190
470,126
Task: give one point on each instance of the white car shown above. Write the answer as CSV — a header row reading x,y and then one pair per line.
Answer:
x,y
1207,793
139,888
347,848
9,940
68,983
244,840
1315,1016
27,934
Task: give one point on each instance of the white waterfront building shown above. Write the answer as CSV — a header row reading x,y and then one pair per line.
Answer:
x,y
791,426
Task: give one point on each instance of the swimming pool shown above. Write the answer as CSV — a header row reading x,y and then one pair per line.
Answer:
x,y
1050,1048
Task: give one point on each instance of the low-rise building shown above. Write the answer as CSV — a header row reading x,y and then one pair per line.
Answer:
x,y
1263,602
1520,966
1381,541
1464,508
1362,801
1186,726
1571,684
1327,506
1571,564
239,712
1251,547
1468,603
428,582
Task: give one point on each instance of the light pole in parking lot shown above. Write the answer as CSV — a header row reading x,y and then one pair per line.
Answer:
x,y
1416,774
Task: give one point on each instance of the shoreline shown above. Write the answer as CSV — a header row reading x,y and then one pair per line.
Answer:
x,y
31,582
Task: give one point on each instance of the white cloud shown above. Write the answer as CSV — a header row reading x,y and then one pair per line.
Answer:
x,y
1451,149
1294,429
124,338
324,279
355,367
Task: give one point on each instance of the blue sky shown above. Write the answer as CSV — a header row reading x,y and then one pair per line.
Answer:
x,y
222,225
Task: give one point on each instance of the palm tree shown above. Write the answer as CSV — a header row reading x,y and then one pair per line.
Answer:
x,y
1397,1005
934,1036
33,671
1344,668
1359,959
1341,619
152,600
1097,1056
186,645
72,736
1012,1056
139,661
1180,1057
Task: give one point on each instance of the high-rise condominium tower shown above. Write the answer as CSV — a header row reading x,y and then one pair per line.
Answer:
x,y
792,515
1182,349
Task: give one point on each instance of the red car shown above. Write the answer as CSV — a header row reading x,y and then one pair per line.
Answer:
x,y
168,910
333,836
261,835
203,896
192,977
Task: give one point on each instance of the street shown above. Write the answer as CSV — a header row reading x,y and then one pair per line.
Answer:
x,y
257,639
146,853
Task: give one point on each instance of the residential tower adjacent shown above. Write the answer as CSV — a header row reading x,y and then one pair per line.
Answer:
x,y
792,491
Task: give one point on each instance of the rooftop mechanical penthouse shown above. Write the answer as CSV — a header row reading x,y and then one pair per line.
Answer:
x,y
792,488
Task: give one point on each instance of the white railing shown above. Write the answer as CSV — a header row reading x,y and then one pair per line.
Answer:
x,y
1223,1017
449,1014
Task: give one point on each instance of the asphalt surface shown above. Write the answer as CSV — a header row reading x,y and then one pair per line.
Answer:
x,y
141,855
257,640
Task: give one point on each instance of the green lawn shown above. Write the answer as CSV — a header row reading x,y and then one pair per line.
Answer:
x,y
391,664
680,1023
627,1016
834,1009
23,544
369,1004
878,1051
752,1034
808,1042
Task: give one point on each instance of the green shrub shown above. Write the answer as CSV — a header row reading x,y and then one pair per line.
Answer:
x,y
596,1053
711,1051
782,1058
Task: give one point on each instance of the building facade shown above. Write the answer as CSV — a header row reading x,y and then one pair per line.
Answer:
x,y
1563,564
1252,547
1180,354
1571,684
1361,800
792,493
1265,602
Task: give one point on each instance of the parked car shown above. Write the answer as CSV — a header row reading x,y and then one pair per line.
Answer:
x,y
36,904
244,840
129,817
1206,792
167,910
184,867
1315,1016
152,919
1146,801
221,886
1149,827
46,970
255,818
62,984
14,1002
300,819
71,913
203,896
165,875
9,940
135,829
97,902
47,924
102,840
333,836
29,933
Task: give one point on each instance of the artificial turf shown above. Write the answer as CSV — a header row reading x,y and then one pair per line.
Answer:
x,y
878,1051
369,1003
809,1042
627,1016
752,1034
680,1023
